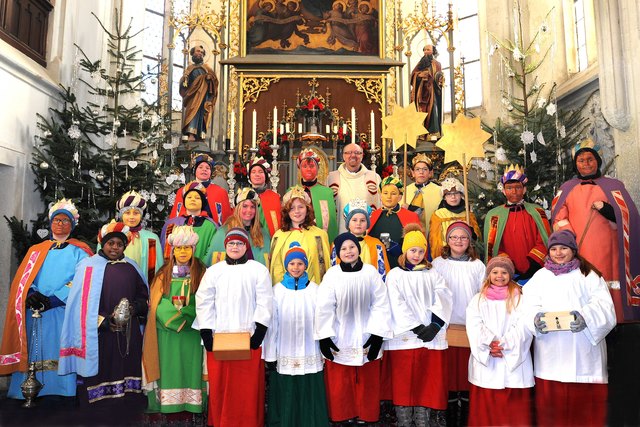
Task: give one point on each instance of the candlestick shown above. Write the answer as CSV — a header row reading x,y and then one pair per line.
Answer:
x,y
254,127
353,125
275,125
373,131
233,129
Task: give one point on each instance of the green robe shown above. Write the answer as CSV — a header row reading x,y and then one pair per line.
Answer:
x,y
180,386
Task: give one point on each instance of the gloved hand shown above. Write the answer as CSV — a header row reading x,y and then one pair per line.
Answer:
x,y
418,329
539,323
374,342
326,345
395,249
607,211
495,349
579,324
103,326
258,336
207,339
429,332
37,301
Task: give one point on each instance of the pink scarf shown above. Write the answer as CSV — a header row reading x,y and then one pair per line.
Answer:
x,y
497,293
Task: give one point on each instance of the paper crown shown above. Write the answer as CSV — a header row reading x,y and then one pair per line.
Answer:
x,y
65,206
357,205
586,144
259,161
197,158
246,193
296,192
307,154
131,199
421,157
514,173
451,184
392,180
183,235
194,185
113,227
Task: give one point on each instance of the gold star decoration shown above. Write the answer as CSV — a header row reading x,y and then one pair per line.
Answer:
x,y
464,136
405,124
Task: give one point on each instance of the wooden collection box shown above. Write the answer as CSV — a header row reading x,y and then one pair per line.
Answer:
x,y
231,346
558,321
457,336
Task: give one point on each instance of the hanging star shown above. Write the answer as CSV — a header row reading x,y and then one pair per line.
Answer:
x,y
405,124
464,136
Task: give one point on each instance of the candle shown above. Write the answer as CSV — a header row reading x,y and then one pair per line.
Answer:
x,y
275,124
281,129
233,129
393,145
344,129
327,129
353,125
299,127
254,127
373,131
335,128
287,127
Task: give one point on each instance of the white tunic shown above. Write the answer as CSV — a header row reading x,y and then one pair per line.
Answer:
x,y
232,298
289,340
487,321
465,279
351,306
566,356
414,295
347,186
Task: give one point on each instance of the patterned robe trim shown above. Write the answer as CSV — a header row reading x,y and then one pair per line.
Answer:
x,y
299,363
114,389
181,396
321,260
86,289
633,283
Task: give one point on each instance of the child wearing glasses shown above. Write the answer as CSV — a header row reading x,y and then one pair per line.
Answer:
x,y
235,295
451,209
464,274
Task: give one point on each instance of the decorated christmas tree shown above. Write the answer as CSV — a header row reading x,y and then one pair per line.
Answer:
x,y
532,132
96,151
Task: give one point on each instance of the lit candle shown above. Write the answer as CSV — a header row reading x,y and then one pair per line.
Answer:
x,y
254,127
275,124
299,127
327,129
373,131
353,125
233,129
287,127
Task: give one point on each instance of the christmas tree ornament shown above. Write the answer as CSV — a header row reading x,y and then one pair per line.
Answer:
x,y
92,173
44,165
44,183
42,232
533,156
551,109
100,176
540,138
47,134
132,164
116,123
160,207
527,137
153,198
74,131
157,172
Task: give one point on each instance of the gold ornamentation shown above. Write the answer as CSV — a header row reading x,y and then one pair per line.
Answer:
x,y
253,86
458,76
165,104
463,137
210,21
405,125
372,89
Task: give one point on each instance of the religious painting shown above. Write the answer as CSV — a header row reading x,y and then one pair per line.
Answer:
x,y
313,27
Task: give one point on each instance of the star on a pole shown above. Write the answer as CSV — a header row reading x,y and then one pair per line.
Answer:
x,y
464,136
404,125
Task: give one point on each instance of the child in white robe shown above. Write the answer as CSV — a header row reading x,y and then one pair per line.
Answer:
x,y
289,345
352,318
420,307
500,367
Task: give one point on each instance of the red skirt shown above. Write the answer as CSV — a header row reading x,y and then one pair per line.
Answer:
x,y
458,364
236,391
419,377
506,407
570,404
353,391
385,377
